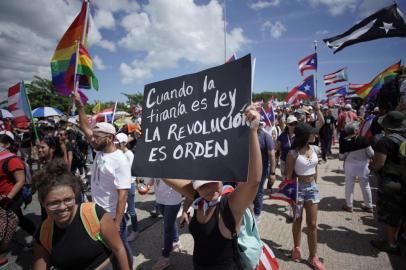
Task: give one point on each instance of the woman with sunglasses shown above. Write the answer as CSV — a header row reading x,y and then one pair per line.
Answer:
x,y
301,163
69,244
284,142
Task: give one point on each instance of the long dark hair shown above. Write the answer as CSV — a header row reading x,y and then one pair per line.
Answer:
x,y
301,139
52,175
54,144
5,139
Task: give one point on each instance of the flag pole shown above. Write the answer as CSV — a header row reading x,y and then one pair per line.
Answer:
x,y
114,112
225,31
86,23
30,111
315,50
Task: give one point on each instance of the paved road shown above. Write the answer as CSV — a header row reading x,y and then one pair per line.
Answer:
x,y
343,237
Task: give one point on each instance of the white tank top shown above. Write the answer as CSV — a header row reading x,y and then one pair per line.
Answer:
x,y
306,166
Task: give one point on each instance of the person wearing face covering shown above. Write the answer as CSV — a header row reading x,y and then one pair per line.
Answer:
x,y
213,246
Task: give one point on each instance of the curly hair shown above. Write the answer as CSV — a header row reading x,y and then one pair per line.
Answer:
x,y
54,174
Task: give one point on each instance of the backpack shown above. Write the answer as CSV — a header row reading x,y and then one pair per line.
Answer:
x,y
89,219
392,168
247,246
26,191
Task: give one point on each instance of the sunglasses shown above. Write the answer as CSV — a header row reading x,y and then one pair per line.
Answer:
x,y
292,124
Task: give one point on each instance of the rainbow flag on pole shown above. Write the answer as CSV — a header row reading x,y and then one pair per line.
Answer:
x,y
84,70
371,89
67,46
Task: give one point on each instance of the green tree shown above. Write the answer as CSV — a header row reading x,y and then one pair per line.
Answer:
x,y
266,95
134,99
41,92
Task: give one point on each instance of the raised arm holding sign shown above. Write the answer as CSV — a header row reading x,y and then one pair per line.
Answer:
x,y
194,126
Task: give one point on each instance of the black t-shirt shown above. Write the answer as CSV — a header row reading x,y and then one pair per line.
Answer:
x,y
389,148
72,247
326,130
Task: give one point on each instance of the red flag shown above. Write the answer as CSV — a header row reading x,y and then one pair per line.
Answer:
x,y
20,119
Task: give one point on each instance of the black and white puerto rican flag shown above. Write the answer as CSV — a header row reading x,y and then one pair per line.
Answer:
x,y
387,22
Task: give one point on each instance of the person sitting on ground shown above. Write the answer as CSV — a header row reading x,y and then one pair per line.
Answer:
x,y
74,236
213,248
301,162
356,153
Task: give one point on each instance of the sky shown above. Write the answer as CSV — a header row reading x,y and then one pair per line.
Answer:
x,y
134,43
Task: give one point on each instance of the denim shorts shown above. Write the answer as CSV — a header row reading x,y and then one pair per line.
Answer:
x,y
308,192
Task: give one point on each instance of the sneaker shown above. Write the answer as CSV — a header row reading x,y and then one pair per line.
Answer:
x,y
347,208
316,263
162,263
367,209
132,236
296,254
176,246
382,245
154,213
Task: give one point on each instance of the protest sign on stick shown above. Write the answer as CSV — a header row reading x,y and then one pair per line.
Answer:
x,y
194,125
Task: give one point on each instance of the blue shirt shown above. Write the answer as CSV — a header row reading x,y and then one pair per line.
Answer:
x,y
285,142
265,143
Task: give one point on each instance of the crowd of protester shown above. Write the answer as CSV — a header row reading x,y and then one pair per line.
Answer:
x,y
371,140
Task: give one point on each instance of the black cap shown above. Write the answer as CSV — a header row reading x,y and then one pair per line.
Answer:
x,y
393,120
304,128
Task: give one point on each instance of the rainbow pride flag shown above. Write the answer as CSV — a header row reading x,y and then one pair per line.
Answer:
x,y
84,72
60,61
372,89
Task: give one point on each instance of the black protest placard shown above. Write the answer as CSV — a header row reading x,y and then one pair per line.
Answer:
x,y
194,125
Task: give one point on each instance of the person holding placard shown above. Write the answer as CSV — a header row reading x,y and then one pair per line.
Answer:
x,y
212,240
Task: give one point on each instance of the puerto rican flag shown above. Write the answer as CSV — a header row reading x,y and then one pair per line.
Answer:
x,y
287,191
338,76
337,91
365,129
308,63
303,91
14,95
267,261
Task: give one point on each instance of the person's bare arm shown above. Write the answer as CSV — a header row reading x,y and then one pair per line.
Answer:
x,y
112,238
121,202
289,166
378,161
184,187
19,178
84,125
41,258
320,116
245,192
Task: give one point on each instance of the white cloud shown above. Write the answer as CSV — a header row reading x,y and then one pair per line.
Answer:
x,y
29,33
117,5
322,32
170,31
275,29
98,62
368,7
336,7
104,19
261,4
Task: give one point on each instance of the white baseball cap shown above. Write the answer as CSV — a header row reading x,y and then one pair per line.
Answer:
x,y
122,138
291,119
198,183
105,128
